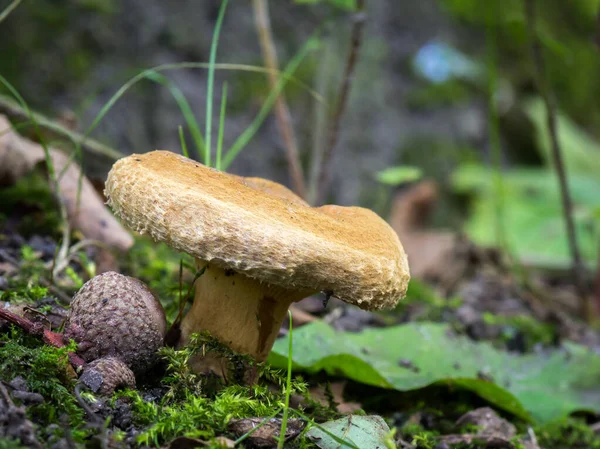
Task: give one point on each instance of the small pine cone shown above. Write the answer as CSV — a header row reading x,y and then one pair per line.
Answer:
x,y
104,375
117,316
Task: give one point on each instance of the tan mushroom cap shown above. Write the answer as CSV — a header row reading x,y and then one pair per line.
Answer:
x,y
237,224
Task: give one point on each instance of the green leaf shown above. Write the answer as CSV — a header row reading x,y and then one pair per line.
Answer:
x,y
533,217
580,152
349,5
395,176
358,431
540,386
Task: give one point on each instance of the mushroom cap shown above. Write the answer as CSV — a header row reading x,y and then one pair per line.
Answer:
x,y
240,225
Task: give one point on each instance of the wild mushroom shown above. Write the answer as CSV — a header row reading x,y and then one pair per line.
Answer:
x,y
261,251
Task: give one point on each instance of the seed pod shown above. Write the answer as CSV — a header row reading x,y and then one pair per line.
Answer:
x,y
104,375
117,316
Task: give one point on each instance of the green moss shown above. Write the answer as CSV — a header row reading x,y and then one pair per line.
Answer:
x,y
9,443
46,371
31,199
190,409
419,437
567,433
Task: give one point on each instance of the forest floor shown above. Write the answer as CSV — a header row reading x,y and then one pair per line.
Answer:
x,y
486,355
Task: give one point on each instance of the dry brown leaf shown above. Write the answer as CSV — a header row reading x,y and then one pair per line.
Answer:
x,y
300,317
428,251
337,390
265,434
19,156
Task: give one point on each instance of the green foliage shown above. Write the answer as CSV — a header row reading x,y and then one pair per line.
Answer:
x,y
570,432
31,194
349,5
190,409
431,304
46,371
395,176
569,52
533,331
350,432
157,265
436,95
533,219
416,435
184,107
539,386
580,151
9,443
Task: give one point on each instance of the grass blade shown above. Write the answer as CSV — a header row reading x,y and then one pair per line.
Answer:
x,y
176,66
10,8
221,126
184,106
249,132
211,79
184,149
340,441
288,388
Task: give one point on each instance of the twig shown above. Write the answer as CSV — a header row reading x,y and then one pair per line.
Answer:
x,y
325,169
282,112
10,8
37,329
13,110
586,307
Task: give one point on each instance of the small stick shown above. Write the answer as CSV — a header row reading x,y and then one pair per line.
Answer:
x,y
325,169
586,308
14,111
282,111
37,329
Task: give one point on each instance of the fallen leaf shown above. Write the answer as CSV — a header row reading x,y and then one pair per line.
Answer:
x,y
319,394
267,434
18,156
428,251
545,385
357,431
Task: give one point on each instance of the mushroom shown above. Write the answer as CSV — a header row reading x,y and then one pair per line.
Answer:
x,y
262,247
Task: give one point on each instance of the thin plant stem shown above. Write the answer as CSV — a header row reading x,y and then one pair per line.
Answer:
x,y
288,387
494,130
324,178
185,109
254,429
211,81
221,126
10,8
15,111
586,307
52,176
336,438
282,111
251,130
322,82
184,149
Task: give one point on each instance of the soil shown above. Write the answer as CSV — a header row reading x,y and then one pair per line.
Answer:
x,y
491,298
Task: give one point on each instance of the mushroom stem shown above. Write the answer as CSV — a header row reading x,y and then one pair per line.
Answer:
x,y
241,312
